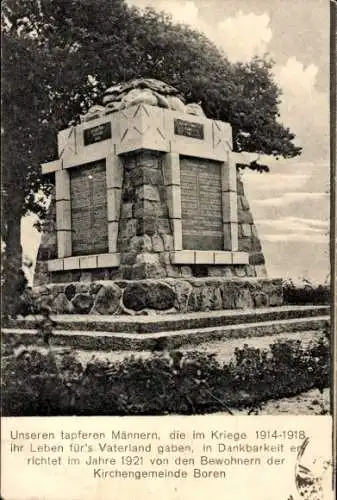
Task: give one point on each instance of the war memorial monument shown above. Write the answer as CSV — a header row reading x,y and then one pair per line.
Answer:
x,y
148,214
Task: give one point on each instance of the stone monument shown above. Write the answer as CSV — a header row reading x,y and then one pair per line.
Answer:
x,y
149,213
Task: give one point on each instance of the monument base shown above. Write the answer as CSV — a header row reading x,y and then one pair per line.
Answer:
x,y
155,296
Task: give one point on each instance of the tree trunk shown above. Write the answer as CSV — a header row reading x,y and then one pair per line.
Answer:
x,y
13,281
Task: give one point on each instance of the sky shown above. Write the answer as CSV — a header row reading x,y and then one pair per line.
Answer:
x,y
290,204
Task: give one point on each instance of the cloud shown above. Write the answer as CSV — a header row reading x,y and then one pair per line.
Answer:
x,y
276,181
241,36
295,224
304,108
295,229
289,189
300,237
184,12
306,77
244,35
288,198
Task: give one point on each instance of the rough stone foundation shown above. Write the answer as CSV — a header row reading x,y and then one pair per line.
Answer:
x,y
159,296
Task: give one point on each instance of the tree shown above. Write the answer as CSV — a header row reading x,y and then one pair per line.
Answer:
x,y
59,56
23,133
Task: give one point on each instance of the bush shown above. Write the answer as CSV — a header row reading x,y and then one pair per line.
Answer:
x,y
305,293
39,381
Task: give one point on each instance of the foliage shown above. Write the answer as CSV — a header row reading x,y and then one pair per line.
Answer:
x,y
42,381
305,293
58,57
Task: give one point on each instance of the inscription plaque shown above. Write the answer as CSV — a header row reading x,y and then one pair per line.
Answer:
x,y
201,204
97,134
189,129
89,209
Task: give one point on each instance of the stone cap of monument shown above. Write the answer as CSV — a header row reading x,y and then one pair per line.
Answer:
x,y
142,91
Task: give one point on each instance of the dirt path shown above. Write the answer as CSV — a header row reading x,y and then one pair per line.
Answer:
x,y
308,403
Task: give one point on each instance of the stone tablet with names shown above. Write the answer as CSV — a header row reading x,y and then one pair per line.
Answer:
x,y
89,220
201,204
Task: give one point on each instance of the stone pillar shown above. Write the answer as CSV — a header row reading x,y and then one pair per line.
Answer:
x,y
48,245
63,213
145,236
